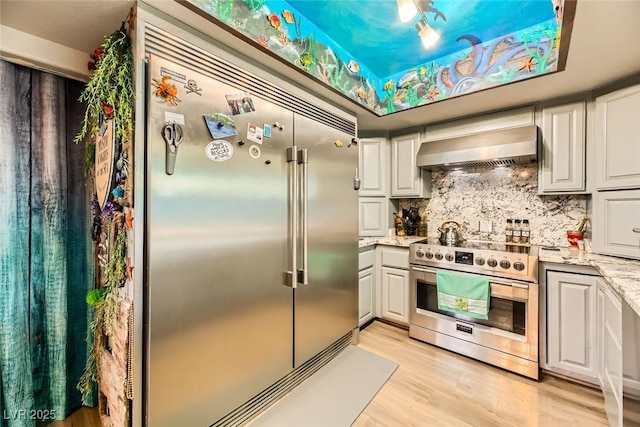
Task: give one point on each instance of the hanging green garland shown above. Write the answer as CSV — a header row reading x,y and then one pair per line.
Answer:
x,y
109,94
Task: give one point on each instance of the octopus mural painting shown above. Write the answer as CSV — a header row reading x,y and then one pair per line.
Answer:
x,y
369,55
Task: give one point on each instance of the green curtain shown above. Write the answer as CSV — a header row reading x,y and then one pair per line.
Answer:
x,y
46,261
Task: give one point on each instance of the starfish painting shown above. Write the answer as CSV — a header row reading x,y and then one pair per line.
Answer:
x,y
527,64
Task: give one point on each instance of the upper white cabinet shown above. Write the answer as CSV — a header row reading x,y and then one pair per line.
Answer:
x,y
374,216
616,222
407,179
617,139
374,172
562,157
571,325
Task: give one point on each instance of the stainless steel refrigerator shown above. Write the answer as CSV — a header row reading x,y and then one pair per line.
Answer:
x,y
251,240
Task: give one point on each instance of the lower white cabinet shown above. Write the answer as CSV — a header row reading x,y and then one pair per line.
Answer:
x,y
366,293
611,353
366,285
395,294
571,325
616,223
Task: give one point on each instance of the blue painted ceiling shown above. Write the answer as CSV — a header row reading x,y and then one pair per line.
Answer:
x,y
372,33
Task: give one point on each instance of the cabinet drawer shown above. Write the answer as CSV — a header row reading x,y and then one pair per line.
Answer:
x,y
395,257
366,259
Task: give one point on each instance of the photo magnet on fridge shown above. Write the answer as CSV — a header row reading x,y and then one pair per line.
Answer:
x,y
240,103
220,125
267,131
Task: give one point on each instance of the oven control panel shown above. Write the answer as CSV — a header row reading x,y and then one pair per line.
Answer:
x,y
520,265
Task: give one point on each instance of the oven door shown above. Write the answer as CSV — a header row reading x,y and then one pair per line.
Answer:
x,y
512,326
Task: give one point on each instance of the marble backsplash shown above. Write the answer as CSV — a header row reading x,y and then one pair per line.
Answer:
x,y
495,194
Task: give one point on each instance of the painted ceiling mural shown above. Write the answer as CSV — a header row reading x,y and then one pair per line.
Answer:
x,y
362,49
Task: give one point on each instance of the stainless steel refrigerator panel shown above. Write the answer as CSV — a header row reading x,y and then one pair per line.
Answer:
x,y
327,307
219,316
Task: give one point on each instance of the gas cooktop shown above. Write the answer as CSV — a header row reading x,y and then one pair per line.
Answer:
x,y
492,258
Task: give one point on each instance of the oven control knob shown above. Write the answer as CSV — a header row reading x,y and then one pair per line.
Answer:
x,y
429,255
438,256
420,253
479,260
448,257
492,262
505,264
518,265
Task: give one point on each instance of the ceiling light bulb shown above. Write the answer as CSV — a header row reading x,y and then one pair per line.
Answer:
x,y
406,10
428,35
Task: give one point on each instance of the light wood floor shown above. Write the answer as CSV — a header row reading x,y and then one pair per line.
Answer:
x,y
434,387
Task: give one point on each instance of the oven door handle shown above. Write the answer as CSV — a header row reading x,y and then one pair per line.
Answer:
x,y
491,279
423,270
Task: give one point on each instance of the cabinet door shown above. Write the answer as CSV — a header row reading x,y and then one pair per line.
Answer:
x,y
366,292
617,131
612,357
600,329
406,177
571,324
395,294
562,165
374,216
616,223
373,167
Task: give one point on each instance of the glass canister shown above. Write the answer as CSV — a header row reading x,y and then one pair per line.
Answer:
x,y
422,225
399,224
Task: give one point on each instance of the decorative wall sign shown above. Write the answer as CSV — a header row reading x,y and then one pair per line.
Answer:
x,y
240,103
105,151
220,125
175,76
254,133
219,151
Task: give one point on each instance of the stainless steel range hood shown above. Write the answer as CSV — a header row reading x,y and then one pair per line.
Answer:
x,y
494,148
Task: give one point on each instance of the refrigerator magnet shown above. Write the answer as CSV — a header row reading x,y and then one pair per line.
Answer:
x,y
192,87
240,103
254,151
219,151
254,133
220,125
267,131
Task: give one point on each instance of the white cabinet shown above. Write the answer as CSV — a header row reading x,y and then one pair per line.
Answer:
x,y
374,216
394,284
366,292
571,325
373,163
366,285
562,158
407,180
616,222
617,139
611,353
395,294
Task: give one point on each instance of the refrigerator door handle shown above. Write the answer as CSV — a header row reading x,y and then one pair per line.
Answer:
x,y
303,160
290,277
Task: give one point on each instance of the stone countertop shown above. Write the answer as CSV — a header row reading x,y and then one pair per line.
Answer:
x,y
403,242
623,275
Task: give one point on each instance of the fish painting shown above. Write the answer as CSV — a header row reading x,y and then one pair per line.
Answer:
x,y
288,17
388,85
353,66
427,6
557,10
405,80
275,21
422,71
306,60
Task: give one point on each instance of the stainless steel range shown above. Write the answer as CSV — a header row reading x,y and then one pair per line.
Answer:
x,y
509,337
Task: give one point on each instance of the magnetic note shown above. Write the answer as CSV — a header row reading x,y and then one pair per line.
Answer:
x,y
240,103
254,133
176,118
220,125
219,151
267,131
254,151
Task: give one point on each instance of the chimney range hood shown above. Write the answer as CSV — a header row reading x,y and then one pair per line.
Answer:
x,y
493,148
